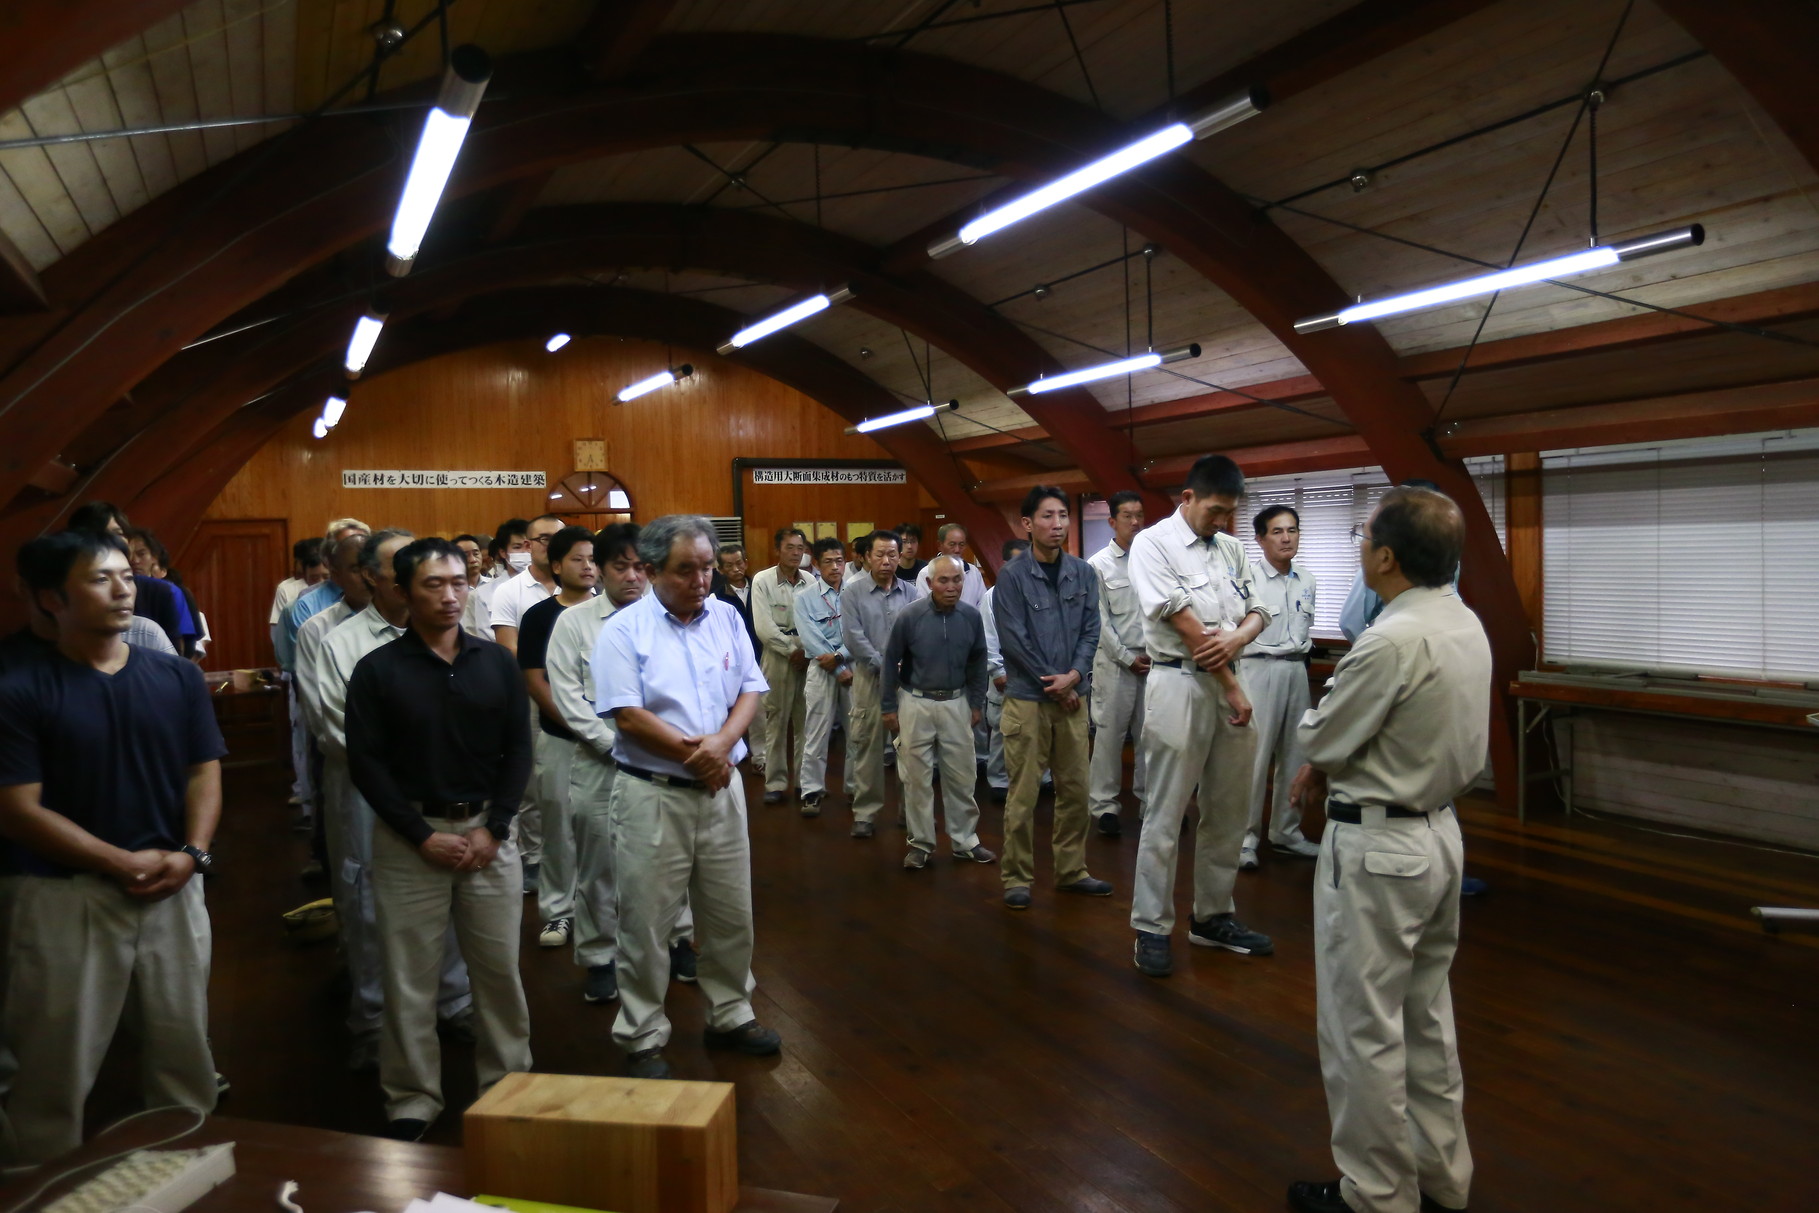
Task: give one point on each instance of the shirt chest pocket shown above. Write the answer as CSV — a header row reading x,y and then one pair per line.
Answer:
x,y
1117,583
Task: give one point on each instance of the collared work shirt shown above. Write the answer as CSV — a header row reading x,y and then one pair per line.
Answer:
x,y
311,638
1173,569
687,675
935,650
866,616
972,584
774,609
287,592
1289,599
1043,629
436,732
1120,619
1408,719
319,597
341,651
568,665
817,611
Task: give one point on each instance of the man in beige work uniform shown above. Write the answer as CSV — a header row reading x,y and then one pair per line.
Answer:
x,y
1402,732
784,664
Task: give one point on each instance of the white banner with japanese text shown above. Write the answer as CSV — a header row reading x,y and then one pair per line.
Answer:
x,y
364,479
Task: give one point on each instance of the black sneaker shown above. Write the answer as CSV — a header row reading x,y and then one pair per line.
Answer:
x,y
1152,955
915,860
555,933
864,829
811,804
1110,826
751,1037
1308,1197
602,983
646,1063
682,961
1225,931
1017,898
1089,886
407,1129
998,795
773,798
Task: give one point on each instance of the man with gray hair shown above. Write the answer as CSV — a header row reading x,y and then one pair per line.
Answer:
x,y
1402,732
676,672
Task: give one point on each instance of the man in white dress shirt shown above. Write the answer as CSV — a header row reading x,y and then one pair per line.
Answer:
x,y
950,540
1275,677
1199,611
509,554
1402,732
521,592
1120,669
676,672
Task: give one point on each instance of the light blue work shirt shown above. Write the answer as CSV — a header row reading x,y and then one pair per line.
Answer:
x,y
817,611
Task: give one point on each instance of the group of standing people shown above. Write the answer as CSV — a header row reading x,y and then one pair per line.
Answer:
x,y
593,710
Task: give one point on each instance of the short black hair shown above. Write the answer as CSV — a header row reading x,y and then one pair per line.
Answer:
x,y
1122,498
506,532
1032,500
875,536
1013,548
830,544
1426,531
95,515
308,552
908,530
412,556
785,532
1261,522
1215,476
614,539
473,539
153,544
564,541
45,562
729,549
863,544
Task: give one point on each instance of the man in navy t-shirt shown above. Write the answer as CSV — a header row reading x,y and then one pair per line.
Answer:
x,y
110,790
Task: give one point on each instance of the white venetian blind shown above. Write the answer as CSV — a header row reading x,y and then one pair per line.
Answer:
x,y
1693,557
1330,505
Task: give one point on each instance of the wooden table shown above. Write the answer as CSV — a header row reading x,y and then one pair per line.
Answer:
x,y
335,1172
254,721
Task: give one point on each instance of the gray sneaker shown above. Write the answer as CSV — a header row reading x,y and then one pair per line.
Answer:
x,y
1225,931
1300,848
915,860
863,829
976,855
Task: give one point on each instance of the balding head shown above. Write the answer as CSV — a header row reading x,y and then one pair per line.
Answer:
x,y
1425,531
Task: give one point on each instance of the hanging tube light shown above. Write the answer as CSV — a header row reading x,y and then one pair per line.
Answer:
x,y
556,342
662,378
444,129
1502,280
920,413
783,319
1109,370
360,345
332,410
1228,113
320,429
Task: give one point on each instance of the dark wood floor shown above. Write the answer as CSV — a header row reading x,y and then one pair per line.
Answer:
x,y
1629,1040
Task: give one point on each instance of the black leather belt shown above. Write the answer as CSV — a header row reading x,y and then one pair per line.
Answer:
x,y
1171,663
1349,814
937,696
1295,657
659,777
451,809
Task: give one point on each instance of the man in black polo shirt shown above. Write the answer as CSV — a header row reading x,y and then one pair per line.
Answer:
x,y
438,741
110,789
571,559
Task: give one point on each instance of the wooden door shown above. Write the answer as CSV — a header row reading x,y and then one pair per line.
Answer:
x,y
232,566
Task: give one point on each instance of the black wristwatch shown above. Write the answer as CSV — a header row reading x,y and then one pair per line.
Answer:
x,y
204,861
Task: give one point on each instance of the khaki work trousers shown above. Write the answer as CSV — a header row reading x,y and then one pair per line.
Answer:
x,y
81,956
674,846
417,901
785,720
865,744
596,932
527,822
932,731
556,872
1038,737
827,702
1117,714
1278,692
1386,925
1189,740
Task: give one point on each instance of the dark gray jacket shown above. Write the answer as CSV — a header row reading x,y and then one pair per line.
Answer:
x,y
1043,631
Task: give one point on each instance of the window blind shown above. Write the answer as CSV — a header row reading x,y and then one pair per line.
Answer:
x,y
1691,557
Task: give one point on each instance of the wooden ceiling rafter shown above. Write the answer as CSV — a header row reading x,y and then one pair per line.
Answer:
x,y
42,41
589,311
1768,46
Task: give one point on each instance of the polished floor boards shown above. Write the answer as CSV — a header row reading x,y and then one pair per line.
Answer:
x,y
1629,1039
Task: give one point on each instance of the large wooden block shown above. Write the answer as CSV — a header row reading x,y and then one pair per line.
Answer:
x,y
627,1145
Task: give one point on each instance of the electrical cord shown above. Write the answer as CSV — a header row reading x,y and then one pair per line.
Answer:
x,y
68,1172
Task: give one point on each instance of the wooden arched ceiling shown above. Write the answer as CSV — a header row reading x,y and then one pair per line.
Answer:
x,y
175,501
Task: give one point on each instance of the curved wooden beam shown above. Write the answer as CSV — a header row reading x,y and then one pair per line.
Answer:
x,y
42,41
176,500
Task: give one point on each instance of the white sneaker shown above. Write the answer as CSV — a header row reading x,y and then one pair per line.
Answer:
x,y
554,933
1300,848
1247,856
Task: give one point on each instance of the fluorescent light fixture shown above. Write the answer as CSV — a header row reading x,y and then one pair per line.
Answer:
x,y
1233,110
782,320
556,342
1109,370
919,413
332,411
320,429
1599,258
662,378
360,345
444,130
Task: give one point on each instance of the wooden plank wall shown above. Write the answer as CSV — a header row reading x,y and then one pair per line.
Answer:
x,y
512,407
